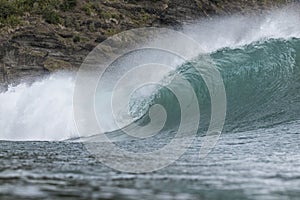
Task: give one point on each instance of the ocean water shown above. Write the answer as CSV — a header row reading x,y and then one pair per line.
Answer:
x,y
260,164
256,157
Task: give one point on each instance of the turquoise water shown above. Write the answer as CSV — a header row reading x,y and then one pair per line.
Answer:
x,y
261,80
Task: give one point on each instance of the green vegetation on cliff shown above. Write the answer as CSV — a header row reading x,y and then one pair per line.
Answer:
x,y
11,11
14,12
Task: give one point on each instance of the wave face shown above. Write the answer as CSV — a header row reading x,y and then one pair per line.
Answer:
x,y
258,57
262,82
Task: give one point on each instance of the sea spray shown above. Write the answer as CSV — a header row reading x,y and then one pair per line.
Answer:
x,y
258,57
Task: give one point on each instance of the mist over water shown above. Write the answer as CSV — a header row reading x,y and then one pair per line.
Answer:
x,y
236,31
258,57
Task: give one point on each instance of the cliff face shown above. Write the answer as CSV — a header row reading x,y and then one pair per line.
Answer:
x,y
39,44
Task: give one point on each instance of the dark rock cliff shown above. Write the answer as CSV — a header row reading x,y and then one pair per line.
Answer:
x,y
36,47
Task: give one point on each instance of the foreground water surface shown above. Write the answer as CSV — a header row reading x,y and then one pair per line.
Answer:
x,y
260,164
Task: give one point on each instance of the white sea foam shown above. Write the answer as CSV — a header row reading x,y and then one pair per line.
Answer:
x,y
41,111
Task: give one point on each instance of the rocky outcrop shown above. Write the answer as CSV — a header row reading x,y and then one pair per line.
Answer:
x,y
31,52
36,48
